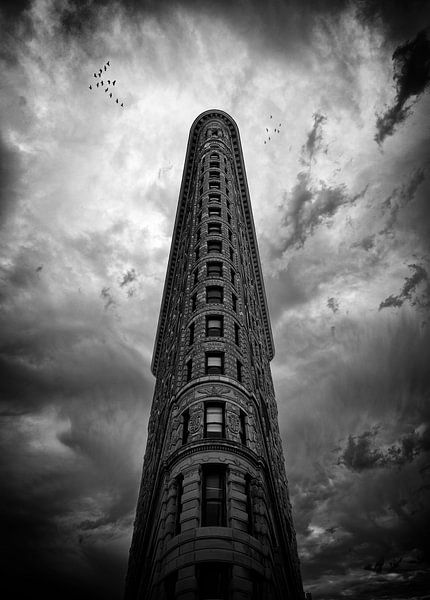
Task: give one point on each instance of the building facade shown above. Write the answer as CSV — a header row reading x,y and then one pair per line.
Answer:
x,y
213,518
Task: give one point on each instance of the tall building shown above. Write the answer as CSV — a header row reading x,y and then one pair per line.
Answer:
x,y
213,516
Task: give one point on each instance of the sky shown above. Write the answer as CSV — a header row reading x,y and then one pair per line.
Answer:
x,y
88,194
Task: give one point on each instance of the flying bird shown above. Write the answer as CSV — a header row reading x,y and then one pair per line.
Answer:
x,y
270,116
109,81
264,141
106,90
39,268
116,100
95,75
97,84
113,82
267,129
122,104
102,81
91,87
108,64
110,95
105,67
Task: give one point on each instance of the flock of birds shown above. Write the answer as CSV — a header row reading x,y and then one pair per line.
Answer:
x,y
268,131
110,84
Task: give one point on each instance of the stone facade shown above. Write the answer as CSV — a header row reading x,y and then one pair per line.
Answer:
x,y
213,516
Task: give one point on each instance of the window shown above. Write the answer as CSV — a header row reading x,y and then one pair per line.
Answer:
x,y
213,501
213,197
230,235
236,334
228,204
214,294
214,363
189,369
214,156
214,246
239,370
212,581
170,585
232,276
196,277
214,164
200,204
214,269
191,334
231,254
214,174
214,326
214,227
214,420
214,185
179,491
197,253
214,211
198,234
234,302
226,189
185,423
193,302
242,430
229,218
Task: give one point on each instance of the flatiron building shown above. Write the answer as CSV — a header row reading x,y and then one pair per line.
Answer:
x,y
213,517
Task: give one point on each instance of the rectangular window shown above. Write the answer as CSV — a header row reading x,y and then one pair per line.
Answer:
x,y
229,218
185,423
214,211
214,326
214,156
232,276
200,204
234,302
189,369
179,491
213,197
214,227
230,235
214,294
197,254
214,246
231,254
212,581
198,234
214,164
193,302
214,363
242,430
214,174
214,269
196,277
213,501
239,370
236,334
191,334
214,185
214,420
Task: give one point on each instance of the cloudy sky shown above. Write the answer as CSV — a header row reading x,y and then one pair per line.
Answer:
x,y
88,193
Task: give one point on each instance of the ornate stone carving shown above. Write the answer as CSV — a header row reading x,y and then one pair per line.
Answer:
x,y
195,423
233,423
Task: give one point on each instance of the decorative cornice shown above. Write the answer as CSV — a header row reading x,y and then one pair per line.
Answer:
x,y
180,214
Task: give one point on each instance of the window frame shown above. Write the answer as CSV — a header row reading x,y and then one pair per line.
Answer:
x,y
214,369
212,263
220,328
219,298
206,520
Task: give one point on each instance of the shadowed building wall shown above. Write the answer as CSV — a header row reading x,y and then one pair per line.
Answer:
x,y
213,517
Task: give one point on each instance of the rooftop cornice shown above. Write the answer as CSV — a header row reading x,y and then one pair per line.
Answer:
x,y
180,214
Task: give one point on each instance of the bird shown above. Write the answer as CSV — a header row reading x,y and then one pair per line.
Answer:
x,y
106,89
279,125
264,141
267,129
102,81
108,64
122,104
116,100
97,84
39,268
270,116
113,82
91,88
100,75
269,137
110,95
95,75
109,81
105,67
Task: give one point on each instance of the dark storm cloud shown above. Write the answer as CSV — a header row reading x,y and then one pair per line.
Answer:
x,y
128,277
401,197
412,77
313,143
409,290
9,174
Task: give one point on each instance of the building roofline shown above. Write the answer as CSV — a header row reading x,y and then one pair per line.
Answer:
x,y
180,213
